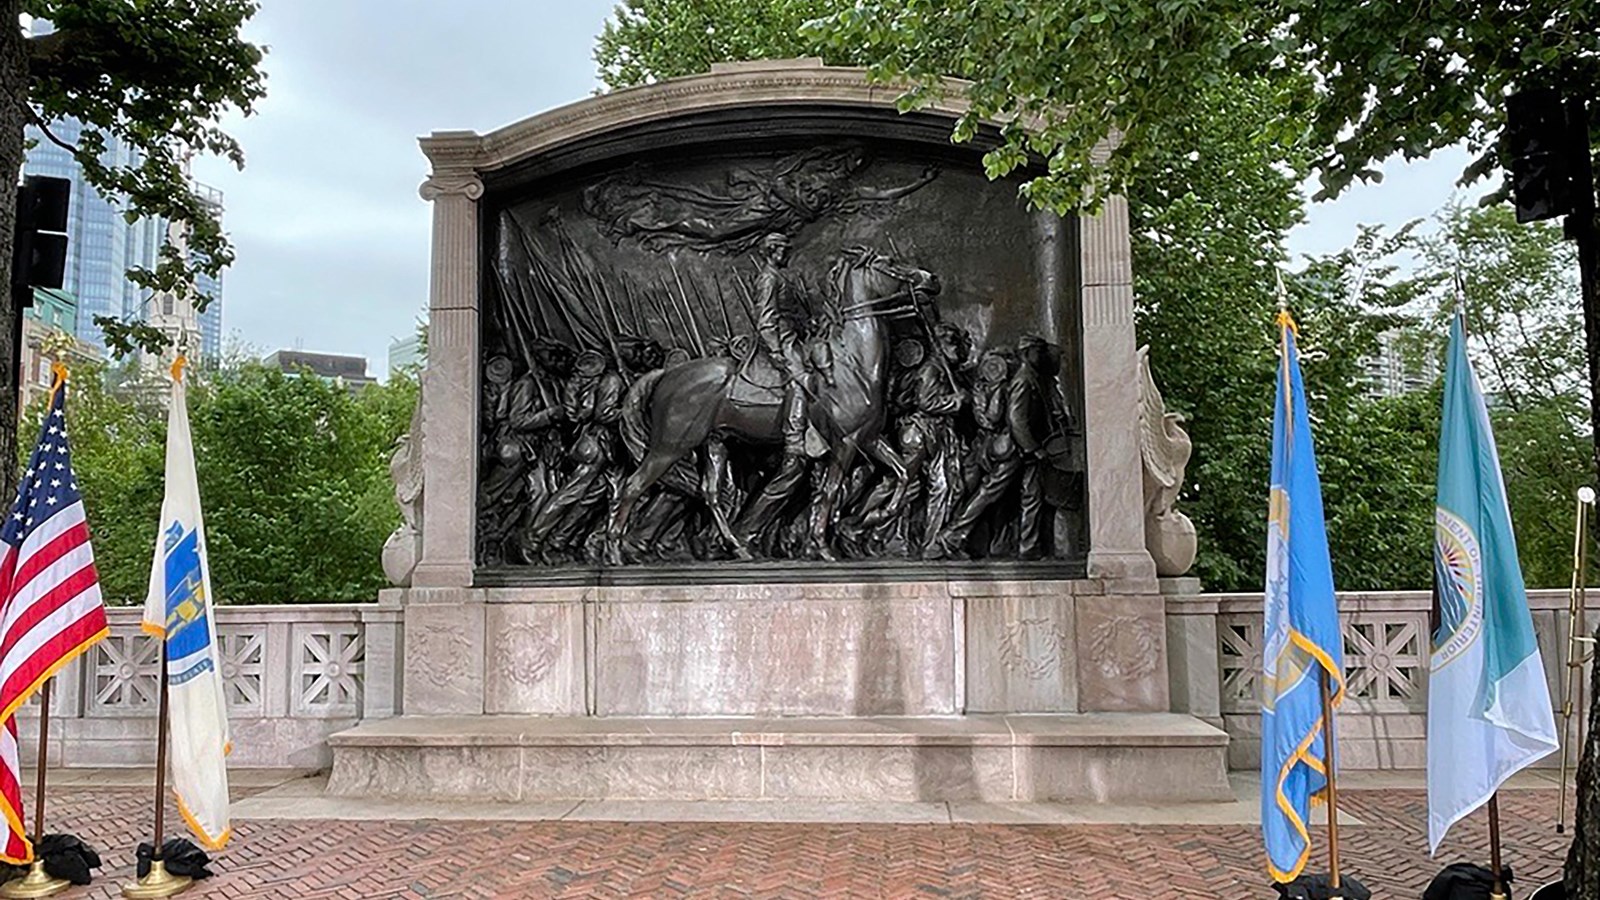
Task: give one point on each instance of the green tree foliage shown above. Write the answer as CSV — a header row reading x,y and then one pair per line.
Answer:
x,y
293,477
647,40
155,75
1391,77
1520,290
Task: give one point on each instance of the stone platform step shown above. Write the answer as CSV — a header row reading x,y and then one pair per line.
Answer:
x,y
1097,757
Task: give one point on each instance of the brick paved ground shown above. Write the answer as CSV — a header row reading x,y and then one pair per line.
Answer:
x,y
359,860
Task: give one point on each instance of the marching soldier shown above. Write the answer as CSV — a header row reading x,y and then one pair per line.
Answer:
x,y
591,403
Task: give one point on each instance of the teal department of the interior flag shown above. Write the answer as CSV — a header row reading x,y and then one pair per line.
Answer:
x,y
1301,637
1489,711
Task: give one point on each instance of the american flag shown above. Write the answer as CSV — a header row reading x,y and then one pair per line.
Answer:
x,y
51,595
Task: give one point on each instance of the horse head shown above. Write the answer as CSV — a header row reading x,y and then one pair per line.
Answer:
x,y
863,278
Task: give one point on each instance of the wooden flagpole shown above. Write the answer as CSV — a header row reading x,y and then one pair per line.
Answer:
x,y
38,882
1499,892
1333,787
158,882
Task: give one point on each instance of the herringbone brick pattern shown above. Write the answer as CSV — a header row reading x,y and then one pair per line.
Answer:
x,y
425,859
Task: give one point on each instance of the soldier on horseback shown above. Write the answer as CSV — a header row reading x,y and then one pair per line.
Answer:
x,y
780,325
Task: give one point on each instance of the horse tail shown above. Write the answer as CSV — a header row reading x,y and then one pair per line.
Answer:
x,y
635,428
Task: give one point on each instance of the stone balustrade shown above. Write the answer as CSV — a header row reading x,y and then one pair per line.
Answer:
x,y
292,675
1214,645
295,674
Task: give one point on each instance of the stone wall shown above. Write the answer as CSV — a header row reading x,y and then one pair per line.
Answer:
x,y
1214,643
292,676
296,674
905,648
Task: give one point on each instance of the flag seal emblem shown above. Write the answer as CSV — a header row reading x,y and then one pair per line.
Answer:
x,y
1458,560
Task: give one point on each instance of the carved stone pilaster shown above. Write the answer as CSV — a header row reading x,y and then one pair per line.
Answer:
x,y
1111,393
450,388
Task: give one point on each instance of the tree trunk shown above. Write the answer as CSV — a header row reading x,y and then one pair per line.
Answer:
x,y
1583,860
13,106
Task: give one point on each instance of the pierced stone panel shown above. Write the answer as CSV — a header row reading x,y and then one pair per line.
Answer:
x,y
1385,659
1239,657
243,653
329,661
124,678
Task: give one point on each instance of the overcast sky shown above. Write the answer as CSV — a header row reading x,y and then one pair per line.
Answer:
x,y
332,238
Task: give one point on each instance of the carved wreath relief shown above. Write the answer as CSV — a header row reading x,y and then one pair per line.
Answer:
x,y
793,355
527,652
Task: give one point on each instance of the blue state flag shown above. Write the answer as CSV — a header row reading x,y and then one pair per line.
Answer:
x,y
1302,642
1489,710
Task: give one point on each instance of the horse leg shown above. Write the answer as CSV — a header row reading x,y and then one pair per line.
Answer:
x,y
654,465
716,465
827,499
880,450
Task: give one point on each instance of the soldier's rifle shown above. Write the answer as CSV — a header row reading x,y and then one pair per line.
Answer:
x,y
683,295
583,276
722,305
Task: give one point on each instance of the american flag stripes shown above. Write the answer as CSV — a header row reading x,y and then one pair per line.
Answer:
x,y
51,596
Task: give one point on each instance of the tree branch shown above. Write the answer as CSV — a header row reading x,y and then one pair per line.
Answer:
x,y
45,129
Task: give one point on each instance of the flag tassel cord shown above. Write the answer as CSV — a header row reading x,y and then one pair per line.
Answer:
x,y
1333,785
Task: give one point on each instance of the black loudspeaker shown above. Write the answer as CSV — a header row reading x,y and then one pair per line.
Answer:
x,y
1536,144
41,237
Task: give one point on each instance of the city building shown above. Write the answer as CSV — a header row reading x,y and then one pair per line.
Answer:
x,y
405,354
98,245
49,330
1402,364
208,286
102,245
350,371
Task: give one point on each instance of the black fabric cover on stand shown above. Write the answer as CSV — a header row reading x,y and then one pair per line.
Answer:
x,y
1317,887
67,856
181,856
1466,881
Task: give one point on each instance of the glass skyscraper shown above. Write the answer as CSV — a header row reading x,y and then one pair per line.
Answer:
x,y
102,246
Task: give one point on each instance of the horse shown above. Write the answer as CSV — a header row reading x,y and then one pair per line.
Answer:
x,y
677,411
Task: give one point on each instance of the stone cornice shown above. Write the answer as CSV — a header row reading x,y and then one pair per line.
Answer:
x,y
757,83
728,85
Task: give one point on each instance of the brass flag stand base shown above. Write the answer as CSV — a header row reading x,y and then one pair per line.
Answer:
x,y
157,883
37,883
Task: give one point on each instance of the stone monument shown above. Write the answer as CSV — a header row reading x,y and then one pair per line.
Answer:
x,y
769,450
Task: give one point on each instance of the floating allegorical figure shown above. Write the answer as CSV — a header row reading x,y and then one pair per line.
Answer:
x,y
780,198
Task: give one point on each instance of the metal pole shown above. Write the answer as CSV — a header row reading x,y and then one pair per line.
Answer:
x,y
1333,786
1499,892
1582,229
1577,604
